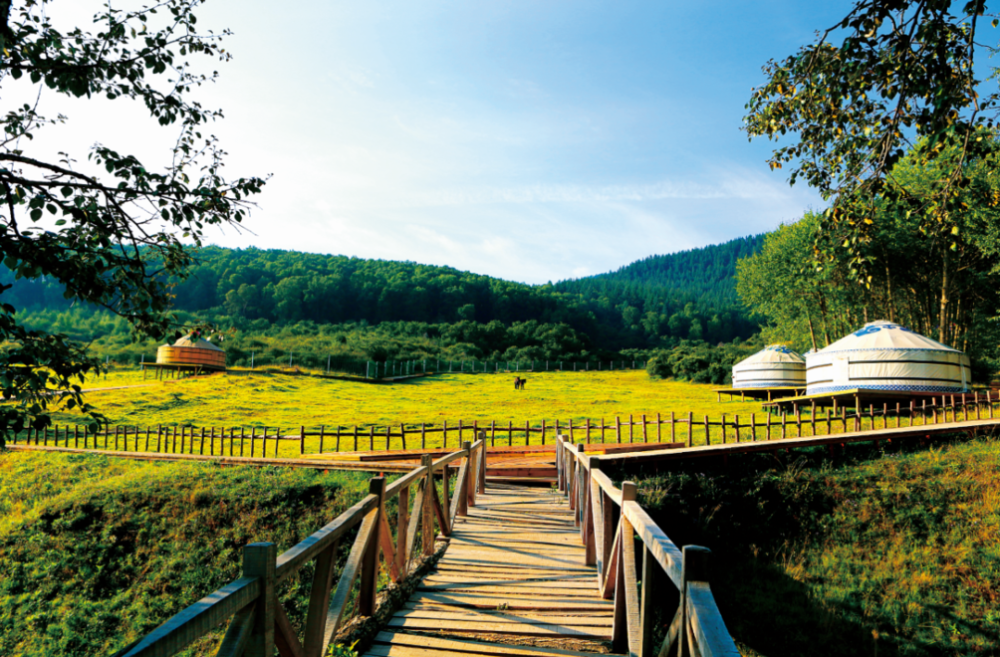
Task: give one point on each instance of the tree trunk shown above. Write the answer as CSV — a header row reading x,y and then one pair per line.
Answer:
x,y
888,295
943,317
812,331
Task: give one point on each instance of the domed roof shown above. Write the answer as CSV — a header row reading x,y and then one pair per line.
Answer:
x,y
772,353
884,335
197,343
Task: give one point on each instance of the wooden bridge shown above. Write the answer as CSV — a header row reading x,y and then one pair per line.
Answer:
x,y
525,572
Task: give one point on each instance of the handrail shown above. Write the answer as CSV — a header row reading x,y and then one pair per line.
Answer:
x,y
698,627
258,622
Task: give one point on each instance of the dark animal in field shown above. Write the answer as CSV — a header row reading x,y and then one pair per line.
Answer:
x,y
517,383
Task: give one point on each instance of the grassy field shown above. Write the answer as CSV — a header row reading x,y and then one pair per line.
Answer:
x,y
289,402
96,552
869,554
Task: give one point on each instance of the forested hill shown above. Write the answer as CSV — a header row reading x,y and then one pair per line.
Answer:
x,y
689,294
706,274
651,303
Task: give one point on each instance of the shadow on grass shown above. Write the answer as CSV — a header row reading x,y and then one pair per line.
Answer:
x,y
765,516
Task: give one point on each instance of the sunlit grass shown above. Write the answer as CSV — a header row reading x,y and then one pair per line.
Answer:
x,y
286,403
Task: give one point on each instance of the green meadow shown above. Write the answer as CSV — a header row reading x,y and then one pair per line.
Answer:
x,y
286,402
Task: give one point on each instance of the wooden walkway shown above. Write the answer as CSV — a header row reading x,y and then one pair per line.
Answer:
x,y
513,575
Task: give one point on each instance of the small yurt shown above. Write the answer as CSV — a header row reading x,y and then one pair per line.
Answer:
x,y
887,356
774,366
194,352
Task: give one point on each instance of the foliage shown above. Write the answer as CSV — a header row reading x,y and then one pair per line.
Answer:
x,y
893,553
383,310
107,232
96,552
904,71
701,363
938,285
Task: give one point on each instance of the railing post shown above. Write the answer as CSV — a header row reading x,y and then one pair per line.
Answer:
x,y
463,489
470,474
258,562
482,463
426,509
369,563
578,486
695,568
589,538
559,465
626,541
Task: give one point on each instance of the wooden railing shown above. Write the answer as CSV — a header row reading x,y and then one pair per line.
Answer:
x,y
257,621
697,627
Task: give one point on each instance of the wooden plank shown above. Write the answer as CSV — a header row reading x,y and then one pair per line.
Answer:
x,y
444,618
546,630
284,636
487,600
389,641
666,553
366,534
709,630
196,620
308,548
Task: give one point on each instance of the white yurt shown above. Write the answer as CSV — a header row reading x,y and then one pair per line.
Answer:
x,y
774,366
887,356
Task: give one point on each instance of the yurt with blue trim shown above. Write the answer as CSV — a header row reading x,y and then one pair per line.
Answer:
x,y
887,356
775,366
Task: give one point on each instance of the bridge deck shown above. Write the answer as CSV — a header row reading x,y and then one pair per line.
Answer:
x,y
513,575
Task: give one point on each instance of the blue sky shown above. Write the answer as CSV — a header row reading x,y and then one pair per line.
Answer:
x,y
534,141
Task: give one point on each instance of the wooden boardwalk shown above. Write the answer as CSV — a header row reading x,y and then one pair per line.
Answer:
x,y
512,575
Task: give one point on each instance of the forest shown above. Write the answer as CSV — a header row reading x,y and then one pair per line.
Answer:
x,y
270,305
930,267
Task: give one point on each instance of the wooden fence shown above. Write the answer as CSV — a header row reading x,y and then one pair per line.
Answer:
x,y
257,622
609,519
256,442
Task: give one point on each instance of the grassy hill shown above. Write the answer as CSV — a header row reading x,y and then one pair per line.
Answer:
x,y
94,552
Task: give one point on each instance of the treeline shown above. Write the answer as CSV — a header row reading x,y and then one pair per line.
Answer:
x,y
930,267
434,311
689,295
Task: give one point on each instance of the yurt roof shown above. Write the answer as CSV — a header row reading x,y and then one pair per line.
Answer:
x,y
880,335
774,353
198,343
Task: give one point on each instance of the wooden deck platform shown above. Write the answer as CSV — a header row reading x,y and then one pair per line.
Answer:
x,y
513,575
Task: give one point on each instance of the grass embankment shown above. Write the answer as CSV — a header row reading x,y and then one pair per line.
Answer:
x,y
872,554
96,552
288,402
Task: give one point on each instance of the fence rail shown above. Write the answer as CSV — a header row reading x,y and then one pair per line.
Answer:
x,y
670,427
609,519
257,621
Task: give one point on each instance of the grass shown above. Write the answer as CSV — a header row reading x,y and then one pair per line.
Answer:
x,y
894,553
289,402
95,552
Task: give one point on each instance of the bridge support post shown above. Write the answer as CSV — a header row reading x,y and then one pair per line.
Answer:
x,y
369,563
258,562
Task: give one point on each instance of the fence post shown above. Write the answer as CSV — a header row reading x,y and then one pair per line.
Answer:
x,y
626,541
471,473
482,463
427,506
695,568
463,487
258,563
369,563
